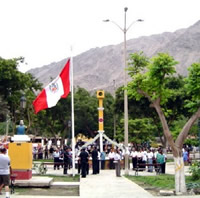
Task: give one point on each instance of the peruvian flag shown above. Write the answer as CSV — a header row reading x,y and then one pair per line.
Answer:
x,y
51,94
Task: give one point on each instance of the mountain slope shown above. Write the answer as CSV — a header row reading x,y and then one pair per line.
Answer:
x,y
98,67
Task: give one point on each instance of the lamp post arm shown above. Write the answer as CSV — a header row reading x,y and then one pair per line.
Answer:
x,y
117,25
139,20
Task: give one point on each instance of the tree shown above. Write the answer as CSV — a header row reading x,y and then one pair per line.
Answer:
x,y
139,109
13,83
108,115
149,78
4,109
85,110
141,131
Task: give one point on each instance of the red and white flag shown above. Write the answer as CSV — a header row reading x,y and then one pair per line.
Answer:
x,y
51,94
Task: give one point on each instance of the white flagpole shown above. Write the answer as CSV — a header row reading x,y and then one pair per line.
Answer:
x,y
72,113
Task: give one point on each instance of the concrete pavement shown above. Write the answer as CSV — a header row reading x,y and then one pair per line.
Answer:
x,y
107,185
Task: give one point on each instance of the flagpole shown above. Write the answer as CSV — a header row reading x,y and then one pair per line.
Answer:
x,y
72,113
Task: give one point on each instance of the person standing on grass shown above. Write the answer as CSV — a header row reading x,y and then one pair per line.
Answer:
x,y
4,171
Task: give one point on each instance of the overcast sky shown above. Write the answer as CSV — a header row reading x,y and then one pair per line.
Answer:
x,y
42,31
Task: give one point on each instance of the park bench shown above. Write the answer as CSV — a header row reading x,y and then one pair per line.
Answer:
x,y
142,167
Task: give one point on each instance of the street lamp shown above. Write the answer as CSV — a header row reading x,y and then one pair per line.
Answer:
x,y
124,30
22,105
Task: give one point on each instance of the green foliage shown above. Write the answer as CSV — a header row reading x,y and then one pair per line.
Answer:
x,y
192,186
86,113
4,109
109,115
139,61
12,84
193,87
194,169
159,181
141,130
3,127
176,127
153,82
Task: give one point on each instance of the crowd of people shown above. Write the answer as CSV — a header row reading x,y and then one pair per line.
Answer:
x,y
141,158
98,160
62,156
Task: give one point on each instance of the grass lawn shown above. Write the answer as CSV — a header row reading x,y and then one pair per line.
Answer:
x,y
164,182
43,160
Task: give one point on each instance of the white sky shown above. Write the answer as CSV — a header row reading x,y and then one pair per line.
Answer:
x,y
42,31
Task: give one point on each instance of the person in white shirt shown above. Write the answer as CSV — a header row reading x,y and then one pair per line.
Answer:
x,y
150,160
117,159
4,171
56,156
144,158
139,158
111,159
133,155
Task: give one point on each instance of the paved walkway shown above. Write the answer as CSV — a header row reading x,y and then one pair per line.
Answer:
x,y
107,185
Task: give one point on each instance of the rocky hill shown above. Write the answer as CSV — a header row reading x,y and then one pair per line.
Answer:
x,y
97,68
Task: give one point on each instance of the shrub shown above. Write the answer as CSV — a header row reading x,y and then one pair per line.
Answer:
x,y
194,169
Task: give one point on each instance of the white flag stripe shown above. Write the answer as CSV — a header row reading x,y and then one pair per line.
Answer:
x,y
54,91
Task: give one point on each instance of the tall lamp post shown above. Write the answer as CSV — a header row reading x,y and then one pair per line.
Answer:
x,y
124,30
114,110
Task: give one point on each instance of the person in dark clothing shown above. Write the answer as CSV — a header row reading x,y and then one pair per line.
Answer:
x,y
95,161
46,152
66,160
111,159
84,161
51,150
79,166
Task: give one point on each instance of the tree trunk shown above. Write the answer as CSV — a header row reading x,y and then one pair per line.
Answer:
x,y
179,175
176,146
177,152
